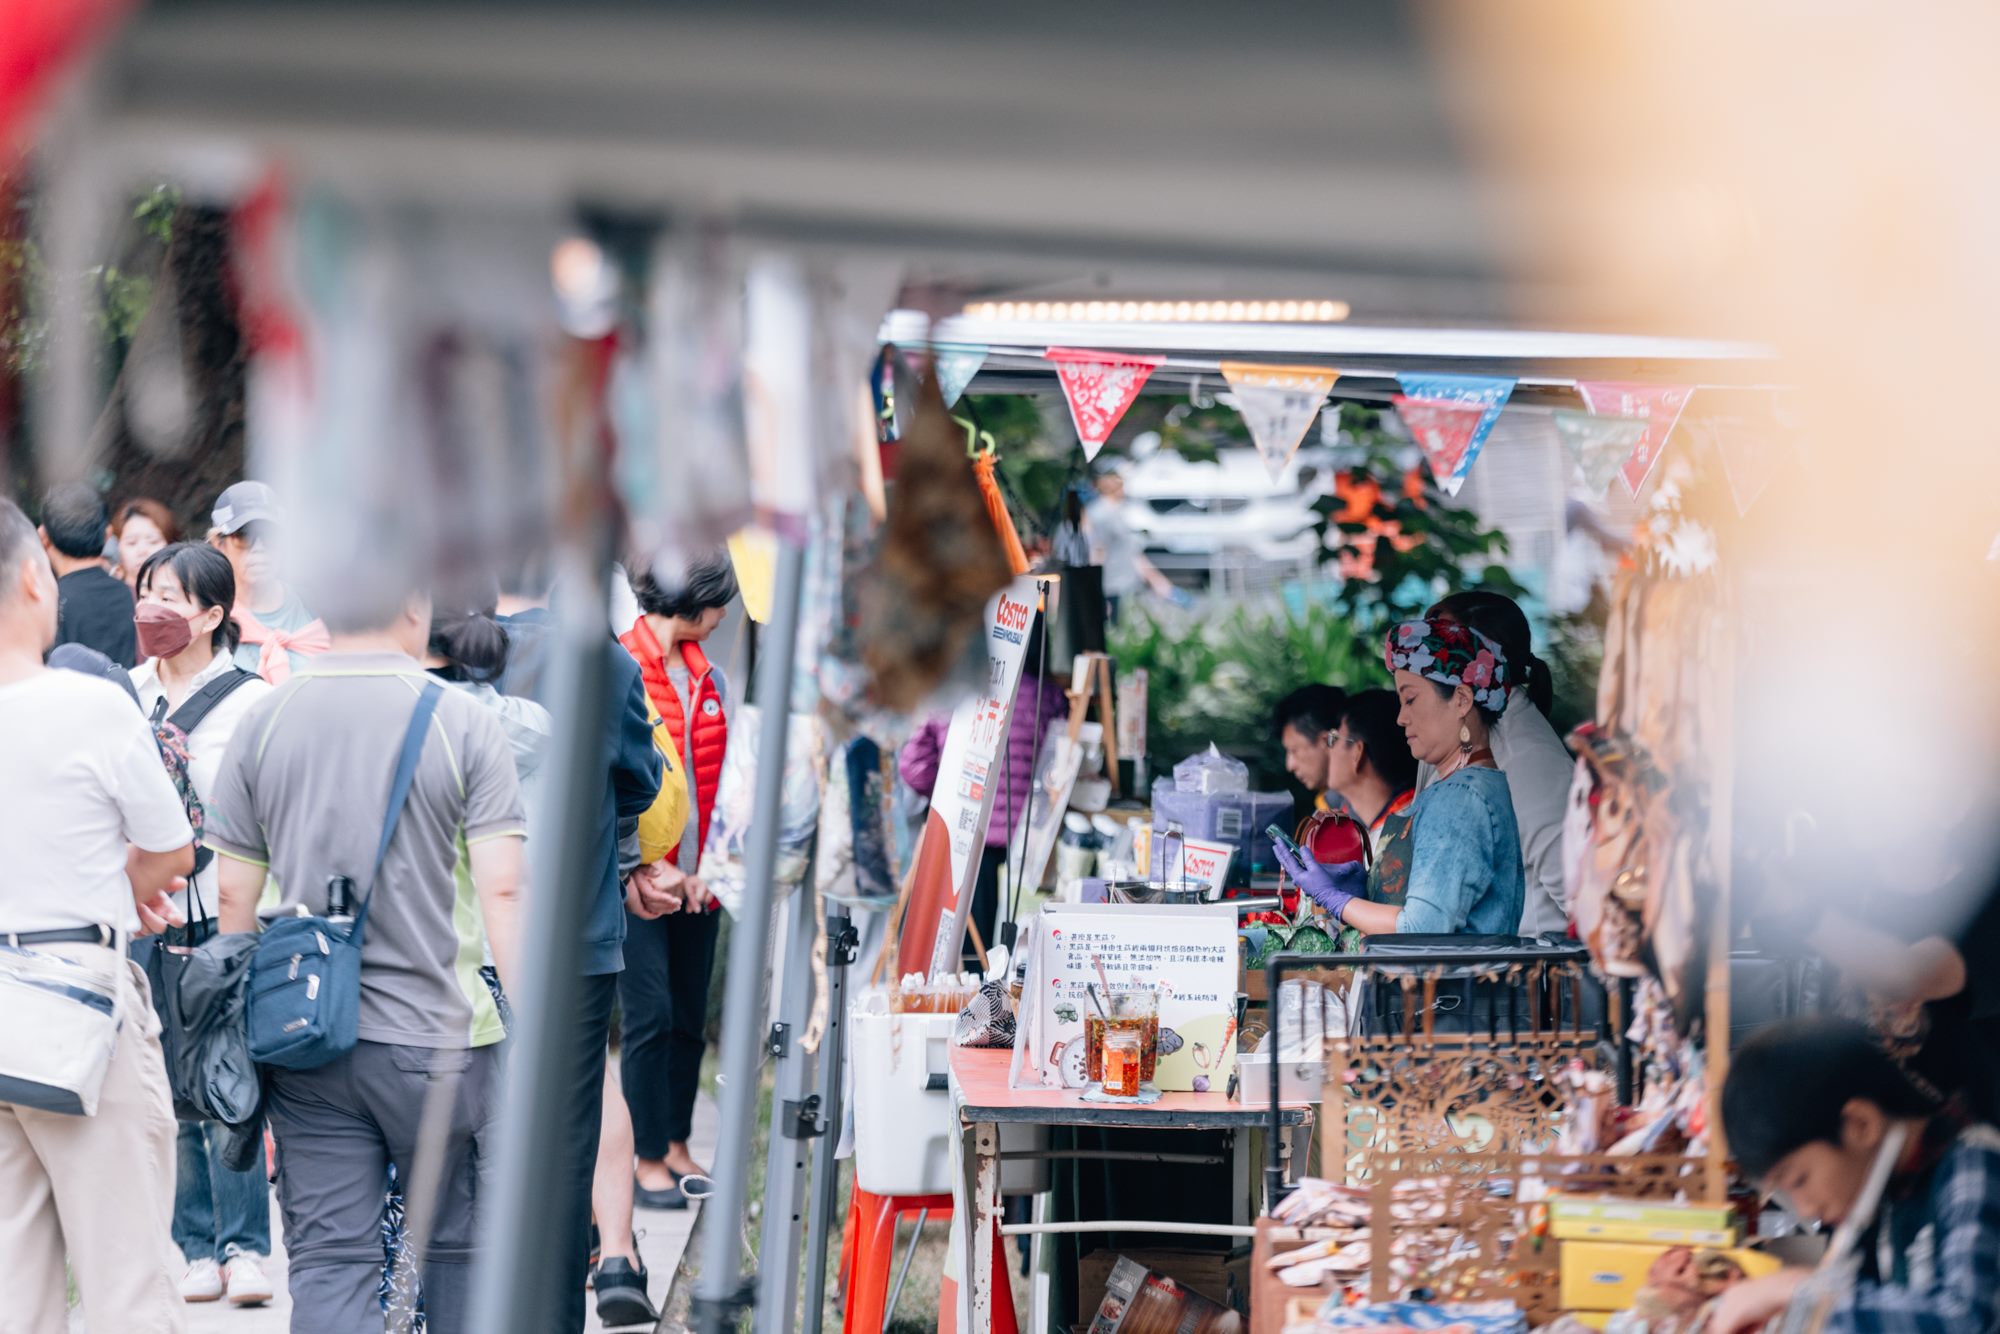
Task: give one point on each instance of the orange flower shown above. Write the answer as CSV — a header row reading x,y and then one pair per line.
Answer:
x,y
1413,488
1399,539
1357,559
1358,497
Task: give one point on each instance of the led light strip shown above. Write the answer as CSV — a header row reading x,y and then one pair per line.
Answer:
x,y
1153,312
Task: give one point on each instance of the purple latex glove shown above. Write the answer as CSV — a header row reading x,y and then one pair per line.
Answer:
x,y
1331,887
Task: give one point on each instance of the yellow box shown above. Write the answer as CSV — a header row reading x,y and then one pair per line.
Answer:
x,y
1607,1276
1644,1233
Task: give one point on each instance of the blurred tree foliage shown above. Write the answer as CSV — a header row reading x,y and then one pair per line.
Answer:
x,y
165,289
1214,675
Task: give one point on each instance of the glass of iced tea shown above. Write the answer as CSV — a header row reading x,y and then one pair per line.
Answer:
x,y
1137,1012
1121,1064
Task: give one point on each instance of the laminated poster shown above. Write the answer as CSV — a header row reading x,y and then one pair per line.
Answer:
x,y
1033,842
1188,951
962,802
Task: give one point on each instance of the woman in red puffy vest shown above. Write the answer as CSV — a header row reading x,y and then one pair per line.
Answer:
x,y
663,992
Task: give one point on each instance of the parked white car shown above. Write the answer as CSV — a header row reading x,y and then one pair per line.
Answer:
x,y
1193,513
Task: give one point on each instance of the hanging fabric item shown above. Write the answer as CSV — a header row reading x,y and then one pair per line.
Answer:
x,y
696,355
850,295
1488,392
406,417
725,857
753,552
996,509
922,603
1598,446
1659,404
1100,387
1444,432
45,38
778,407
851,859
955,368
1279,404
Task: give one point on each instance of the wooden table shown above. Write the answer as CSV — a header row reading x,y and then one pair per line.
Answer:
x,y
979,1090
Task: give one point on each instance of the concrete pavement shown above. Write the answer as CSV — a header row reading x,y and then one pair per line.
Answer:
x,y
663,1237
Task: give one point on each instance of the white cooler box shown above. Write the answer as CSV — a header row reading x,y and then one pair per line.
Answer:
x,y
902,1108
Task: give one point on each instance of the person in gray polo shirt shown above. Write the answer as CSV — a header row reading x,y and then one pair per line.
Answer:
x,y
301,798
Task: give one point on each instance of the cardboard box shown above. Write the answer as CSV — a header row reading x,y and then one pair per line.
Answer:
x,y
1612,1209
1139,1299
1210,1273
1593,1218
1607,1276
1645,1235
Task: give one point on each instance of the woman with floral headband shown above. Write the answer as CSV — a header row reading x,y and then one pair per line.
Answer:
x,y
1463,873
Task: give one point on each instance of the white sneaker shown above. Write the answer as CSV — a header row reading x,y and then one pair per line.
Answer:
x,y
247,1284
202,1282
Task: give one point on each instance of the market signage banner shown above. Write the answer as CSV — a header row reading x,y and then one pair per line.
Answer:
x,y
1100,387
969,773
1279,404
1186,951
1599,446
1489,393
1660,404
955,368
1445,432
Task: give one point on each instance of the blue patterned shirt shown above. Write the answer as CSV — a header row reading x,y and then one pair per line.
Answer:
x,y
1931,1265
1465,859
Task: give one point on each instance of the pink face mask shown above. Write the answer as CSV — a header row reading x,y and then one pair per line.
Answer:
x,y
163,632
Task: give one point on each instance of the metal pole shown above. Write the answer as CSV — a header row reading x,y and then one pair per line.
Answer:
x,y
903,1271
796,1121
721,1294
842,948
517,1286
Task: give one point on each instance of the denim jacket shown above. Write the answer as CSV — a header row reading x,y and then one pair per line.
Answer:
x,y
1465,859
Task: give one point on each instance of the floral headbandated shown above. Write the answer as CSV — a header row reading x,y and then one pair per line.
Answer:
x,y
1451,654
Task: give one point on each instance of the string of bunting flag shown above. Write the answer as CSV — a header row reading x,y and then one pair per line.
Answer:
x,y
1622,431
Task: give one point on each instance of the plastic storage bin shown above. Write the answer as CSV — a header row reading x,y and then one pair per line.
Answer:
x,y
902,1108
1236,818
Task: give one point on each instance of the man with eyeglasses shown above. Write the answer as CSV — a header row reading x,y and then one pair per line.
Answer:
x,y
278,631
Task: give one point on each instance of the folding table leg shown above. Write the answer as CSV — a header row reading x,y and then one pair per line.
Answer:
x,y
985,1222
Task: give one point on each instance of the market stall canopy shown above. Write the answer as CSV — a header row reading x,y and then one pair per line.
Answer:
x,y
1254,149
1546,363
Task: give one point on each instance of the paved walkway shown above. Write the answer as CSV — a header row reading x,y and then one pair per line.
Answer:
x,y
665,1236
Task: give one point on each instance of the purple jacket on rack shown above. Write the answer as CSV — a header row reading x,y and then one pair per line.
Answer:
x,y
918,763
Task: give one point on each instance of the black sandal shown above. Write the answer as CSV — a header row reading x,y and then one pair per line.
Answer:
x,y
621,1295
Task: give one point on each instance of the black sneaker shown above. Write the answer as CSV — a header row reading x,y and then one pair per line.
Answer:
x,y
670,1198
621,1295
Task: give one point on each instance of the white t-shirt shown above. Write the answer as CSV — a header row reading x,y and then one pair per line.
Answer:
x,y
207,742
1115,546
80,778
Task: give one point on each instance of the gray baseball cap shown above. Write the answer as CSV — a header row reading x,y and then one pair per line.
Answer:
x,y
245,503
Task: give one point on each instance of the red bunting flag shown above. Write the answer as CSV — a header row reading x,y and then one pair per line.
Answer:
x,y
1660,404
1100,387
1444,431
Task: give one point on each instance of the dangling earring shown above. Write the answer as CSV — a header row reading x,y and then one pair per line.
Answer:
x,y
1465,740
